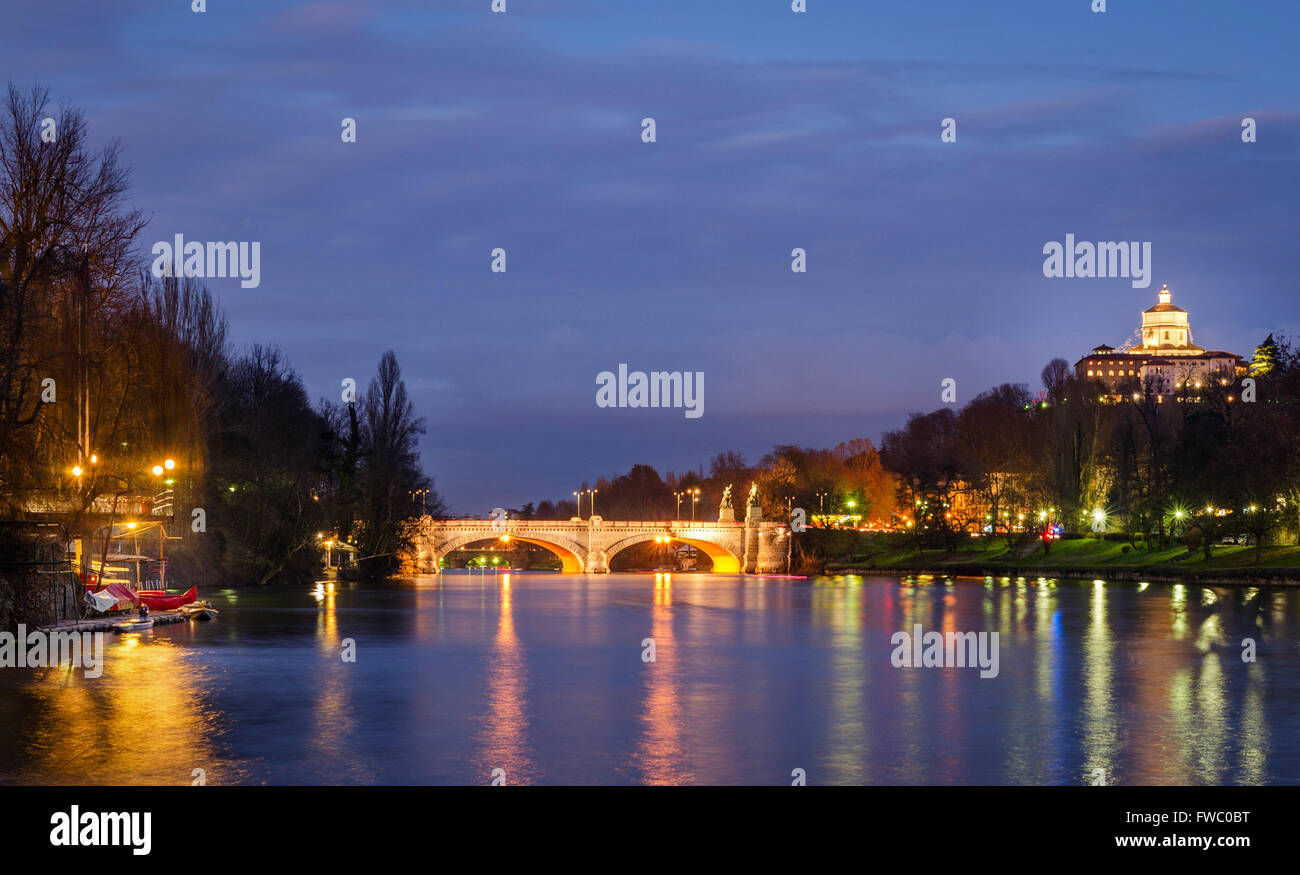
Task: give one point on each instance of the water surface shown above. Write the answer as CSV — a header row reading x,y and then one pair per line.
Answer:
x,y
542,676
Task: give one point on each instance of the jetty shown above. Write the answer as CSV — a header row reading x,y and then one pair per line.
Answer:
x,y
105,624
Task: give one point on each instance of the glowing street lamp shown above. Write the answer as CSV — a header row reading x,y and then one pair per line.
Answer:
x,y
693,495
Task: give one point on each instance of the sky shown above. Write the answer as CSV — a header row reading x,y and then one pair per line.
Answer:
x,y
774,130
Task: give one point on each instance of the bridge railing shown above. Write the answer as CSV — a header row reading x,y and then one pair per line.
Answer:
x,y
569,524
503,525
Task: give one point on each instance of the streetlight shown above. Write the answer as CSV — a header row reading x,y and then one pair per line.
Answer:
x,y
593,501
685,493
695,499
422,493
578,495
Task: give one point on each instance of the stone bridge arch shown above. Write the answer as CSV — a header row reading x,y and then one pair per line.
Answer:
x,y
572,555
720,549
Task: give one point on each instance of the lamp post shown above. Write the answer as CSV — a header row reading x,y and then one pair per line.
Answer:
x,y
578,495
593,502
695,499
158,471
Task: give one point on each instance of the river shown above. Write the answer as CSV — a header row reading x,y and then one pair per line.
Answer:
x,y
545,678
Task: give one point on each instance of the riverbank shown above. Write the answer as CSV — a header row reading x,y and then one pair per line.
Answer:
x,y
1089,558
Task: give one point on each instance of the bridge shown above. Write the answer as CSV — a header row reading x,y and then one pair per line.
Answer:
x,y
586,546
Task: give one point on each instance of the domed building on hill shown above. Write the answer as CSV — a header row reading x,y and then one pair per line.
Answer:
x,y
1163,358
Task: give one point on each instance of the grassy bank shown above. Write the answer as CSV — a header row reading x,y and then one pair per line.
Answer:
x,y
1085,557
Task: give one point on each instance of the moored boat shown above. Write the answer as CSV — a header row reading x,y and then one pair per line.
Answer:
x,y
200,611
158,600
138,624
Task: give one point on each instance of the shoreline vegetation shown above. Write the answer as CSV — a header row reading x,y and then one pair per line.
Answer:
x,y
1084,558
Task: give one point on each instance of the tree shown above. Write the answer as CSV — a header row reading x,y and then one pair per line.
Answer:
x,y
390,470
65,266
1070,441
1265,359
995,446
262,515
1056,378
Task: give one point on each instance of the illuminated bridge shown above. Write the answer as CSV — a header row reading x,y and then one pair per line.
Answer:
x,y
586,546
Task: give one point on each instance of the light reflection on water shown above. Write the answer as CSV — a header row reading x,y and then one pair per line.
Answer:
x,y
542,677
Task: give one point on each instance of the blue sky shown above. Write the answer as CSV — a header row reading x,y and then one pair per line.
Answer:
x,y
775,130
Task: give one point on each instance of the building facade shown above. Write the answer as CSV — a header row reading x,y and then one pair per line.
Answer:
x,y
1164,361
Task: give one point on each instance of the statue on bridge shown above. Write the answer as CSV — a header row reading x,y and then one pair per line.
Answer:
x,y
726,497
753,493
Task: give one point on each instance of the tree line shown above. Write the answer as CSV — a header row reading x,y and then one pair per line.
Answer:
x,y
830,482
1198,464
106,370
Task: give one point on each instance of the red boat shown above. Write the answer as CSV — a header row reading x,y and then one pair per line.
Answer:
x,y
119,574
158,600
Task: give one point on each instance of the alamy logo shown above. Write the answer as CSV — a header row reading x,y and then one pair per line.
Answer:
x,y
656,389
953,650
99,828
1086,260
210,260
48,649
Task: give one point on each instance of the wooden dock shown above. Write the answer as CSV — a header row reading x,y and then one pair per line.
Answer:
x,y
105,624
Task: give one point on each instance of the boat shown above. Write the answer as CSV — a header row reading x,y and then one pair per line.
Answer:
x,y
138,624
125,576
158,600
200,611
